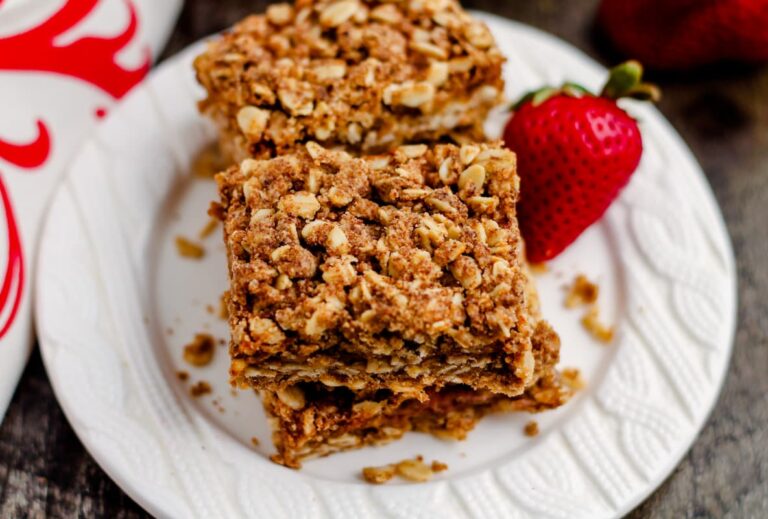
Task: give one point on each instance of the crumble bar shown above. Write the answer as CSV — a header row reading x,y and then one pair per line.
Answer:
x,y
368,75
311,420
325,420
400,271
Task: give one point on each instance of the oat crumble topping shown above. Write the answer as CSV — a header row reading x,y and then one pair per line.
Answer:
x,y
400,270
365,74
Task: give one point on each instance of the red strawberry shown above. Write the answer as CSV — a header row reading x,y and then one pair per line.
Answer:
x,y
575,151
680,34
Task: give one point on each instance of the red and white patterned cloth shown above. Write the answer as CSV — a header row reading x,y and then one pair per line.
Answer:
x,y
63,65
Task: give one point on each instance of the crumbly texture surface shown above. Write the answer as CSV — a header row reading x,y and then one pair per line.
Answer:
x,y
313,420
368,75
400,271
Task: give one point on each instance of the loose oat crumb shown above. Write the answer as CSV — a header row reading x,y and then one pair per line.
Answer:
x,y
189,249
199,352
531,428
599,330
414,470
255,441
410,469
208,162
379,475
581,292
210,309
208,229
573,379
200,388
538,268
584,292
439,466
182,375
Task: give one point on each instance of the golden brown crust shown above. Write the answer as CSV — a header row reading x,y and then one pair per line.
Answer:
x,y
398,271
366,74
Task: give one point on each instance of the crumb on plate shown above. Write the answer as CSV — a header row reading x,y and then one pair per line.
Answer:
x,y
531,428
439,466
188,248
409,469
379,475
581,292
200,388
208,229
199,352
600,331
255,441
572,378
182,375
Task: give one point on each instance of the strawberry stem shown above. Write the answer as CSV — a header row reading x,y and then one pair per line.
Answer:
x,y
625,80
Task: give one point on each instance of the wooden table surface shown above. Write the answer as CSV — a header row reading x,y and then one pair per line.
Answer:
x,y
721,113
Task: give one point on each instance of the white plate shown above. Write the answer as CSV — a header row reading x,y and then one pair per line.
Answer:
x,y
111,285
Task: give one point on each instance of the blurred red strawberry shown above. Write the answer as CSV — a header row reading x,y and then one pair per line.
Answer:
x,y
682,34
575,152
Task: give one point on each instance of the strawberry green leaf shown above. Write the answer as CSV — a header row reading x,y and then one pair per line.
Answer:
x,y
625,80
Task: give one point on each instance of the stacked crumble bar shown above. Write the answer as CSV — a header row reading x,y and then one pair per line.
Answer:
x,y
371,75
376,287
394,271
